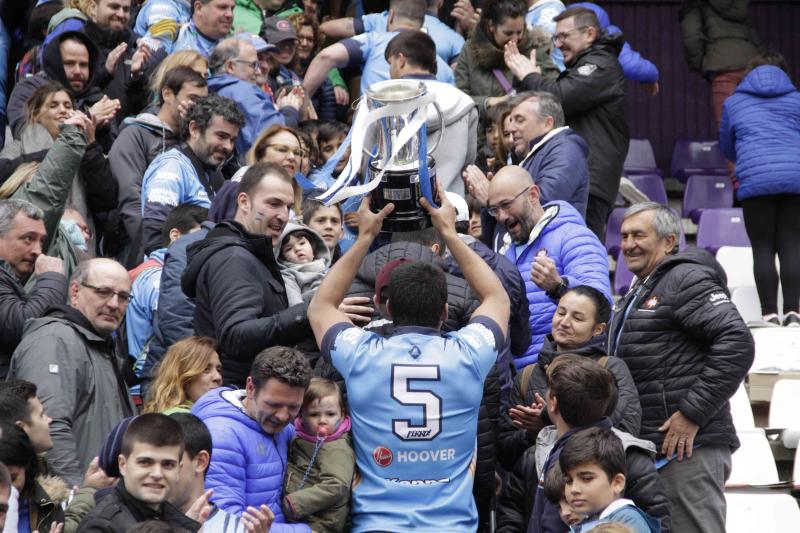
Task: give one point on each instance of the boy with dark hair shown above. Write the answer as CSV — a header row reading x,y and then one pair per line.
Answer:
x,y
20,406
327,220
594,466
149,464
191,483
580,395
554,492
412,52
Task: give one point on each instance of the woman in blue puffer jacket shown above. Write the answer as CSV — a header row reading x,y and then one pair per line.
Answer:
x,y
760,132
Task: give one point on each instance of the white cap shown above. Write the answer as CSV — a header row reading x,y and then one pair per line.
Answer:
x,y
462,209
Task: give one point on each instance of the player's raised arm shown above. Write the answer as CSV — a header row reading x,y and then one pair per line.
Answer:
x,y
482,279
323,311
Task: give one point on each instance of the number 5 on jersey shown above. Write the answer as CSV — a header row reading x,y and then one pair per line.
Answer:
x,y
404,394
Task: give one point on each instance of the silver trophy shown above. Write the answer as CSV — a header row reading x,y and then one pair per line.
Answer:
x,y
390,131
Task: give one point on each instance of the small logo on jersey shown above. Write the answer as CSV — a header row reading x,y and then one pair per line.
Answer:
x,y
587,69
415,352
718,298
382,456
418,481
651,303
542,252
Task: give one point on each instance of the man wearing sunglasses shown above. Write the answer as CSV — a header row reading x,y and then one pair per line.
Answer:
x,y
592,94
70,354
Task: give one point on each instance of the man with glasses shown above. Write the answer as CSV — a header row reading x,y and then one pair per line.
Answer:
x,y
235,68
234,278
70,354
190,172
551,246
592,94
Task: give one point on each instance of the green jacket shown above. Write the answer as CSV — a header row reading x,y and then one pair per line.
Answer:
x,y
479,57
247,16
50,188
78,508
718,35
324,502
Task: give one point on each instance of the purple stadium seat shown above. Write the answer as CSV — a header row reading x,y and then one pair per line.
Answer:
x,y
623,278
697,157
651,185
721,227
706,192
612,230
641,159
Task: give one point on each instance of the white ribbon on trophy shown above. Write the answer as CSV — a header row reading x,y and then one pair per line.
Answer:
x,y
364,118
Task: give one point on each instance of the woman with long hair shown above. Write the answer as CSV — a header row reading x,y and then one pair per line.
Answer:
x,y
190,368
183,58
280,145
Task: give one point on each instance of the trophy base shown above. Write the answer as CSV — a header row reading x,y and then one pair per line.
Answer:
x,y
402,188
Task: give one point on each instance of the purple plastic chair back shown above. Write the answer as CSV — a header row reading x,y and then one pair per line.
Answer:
x,y
612,230
641,159
697,157
721,227
623,278
651,185
706,192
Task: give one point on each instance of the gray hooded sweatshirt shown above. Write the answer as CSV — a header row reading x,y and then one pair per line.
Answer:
x,y
303,280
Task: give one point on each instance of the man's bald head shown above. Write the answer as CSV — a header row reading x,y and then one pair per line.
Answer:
x,y
101,289
514,201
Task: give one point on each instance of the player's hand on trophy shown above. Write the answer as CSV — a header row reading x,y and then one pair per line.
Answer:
x,y
369,223
443,218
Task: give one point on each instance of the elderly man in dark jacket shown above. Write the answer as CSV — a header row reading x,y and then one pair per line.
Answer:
x,y
592,93
233,276
688,350
22,236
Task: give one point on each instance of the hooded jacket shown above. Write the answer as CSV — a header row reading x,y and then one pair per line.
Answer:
x,y
760,131
142,139
580,258
634,66
480,56
686,346
249,464
592,94
303,280
81,385
240,298
53,69
643,484
557,163
718,35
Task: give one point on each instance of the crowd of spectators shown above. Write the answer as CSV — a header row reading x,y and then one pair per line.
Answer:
x,y
190,338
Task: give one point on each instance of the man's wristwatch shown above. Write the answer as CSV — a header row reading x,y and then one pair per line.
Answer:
x,y
559,290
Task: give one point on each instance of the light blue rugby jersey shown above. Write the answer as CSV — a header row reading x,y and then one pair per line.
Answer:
x,y
448,41
413,400
366,51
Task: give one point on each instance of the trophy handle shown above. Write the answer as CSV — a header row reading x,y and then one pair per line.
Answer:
x,y
441,128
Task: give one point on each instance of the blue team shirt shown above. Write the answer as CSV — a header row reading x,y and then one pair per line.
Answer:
x,y
159,21
448,41
541,14
414,399
366,51
169,181
190,38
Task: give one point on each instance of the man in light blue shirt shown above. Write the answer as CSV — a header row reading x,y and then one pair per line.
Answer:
x,y
211,22
448,41
367,50
413,395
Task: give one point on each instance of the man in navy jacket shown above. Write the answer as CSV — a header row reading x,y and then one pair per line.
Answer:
x,y
552,153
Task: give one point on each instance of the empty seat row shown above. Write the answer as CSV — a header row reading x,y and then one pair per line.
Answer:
x,y
689,158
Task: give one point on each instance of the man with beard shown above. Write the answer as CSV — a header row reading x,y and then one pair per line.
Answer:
x,y
69,353
592,93
233,275
551,246
189,173
73,60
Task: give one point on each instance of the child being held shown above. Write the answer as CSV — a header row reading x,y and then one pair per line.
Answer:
x,y
594,469
304,259
321,461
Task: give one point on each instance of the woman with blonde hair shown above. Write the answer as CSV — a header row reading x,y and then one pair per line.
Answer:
x,y
184,58
190,368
